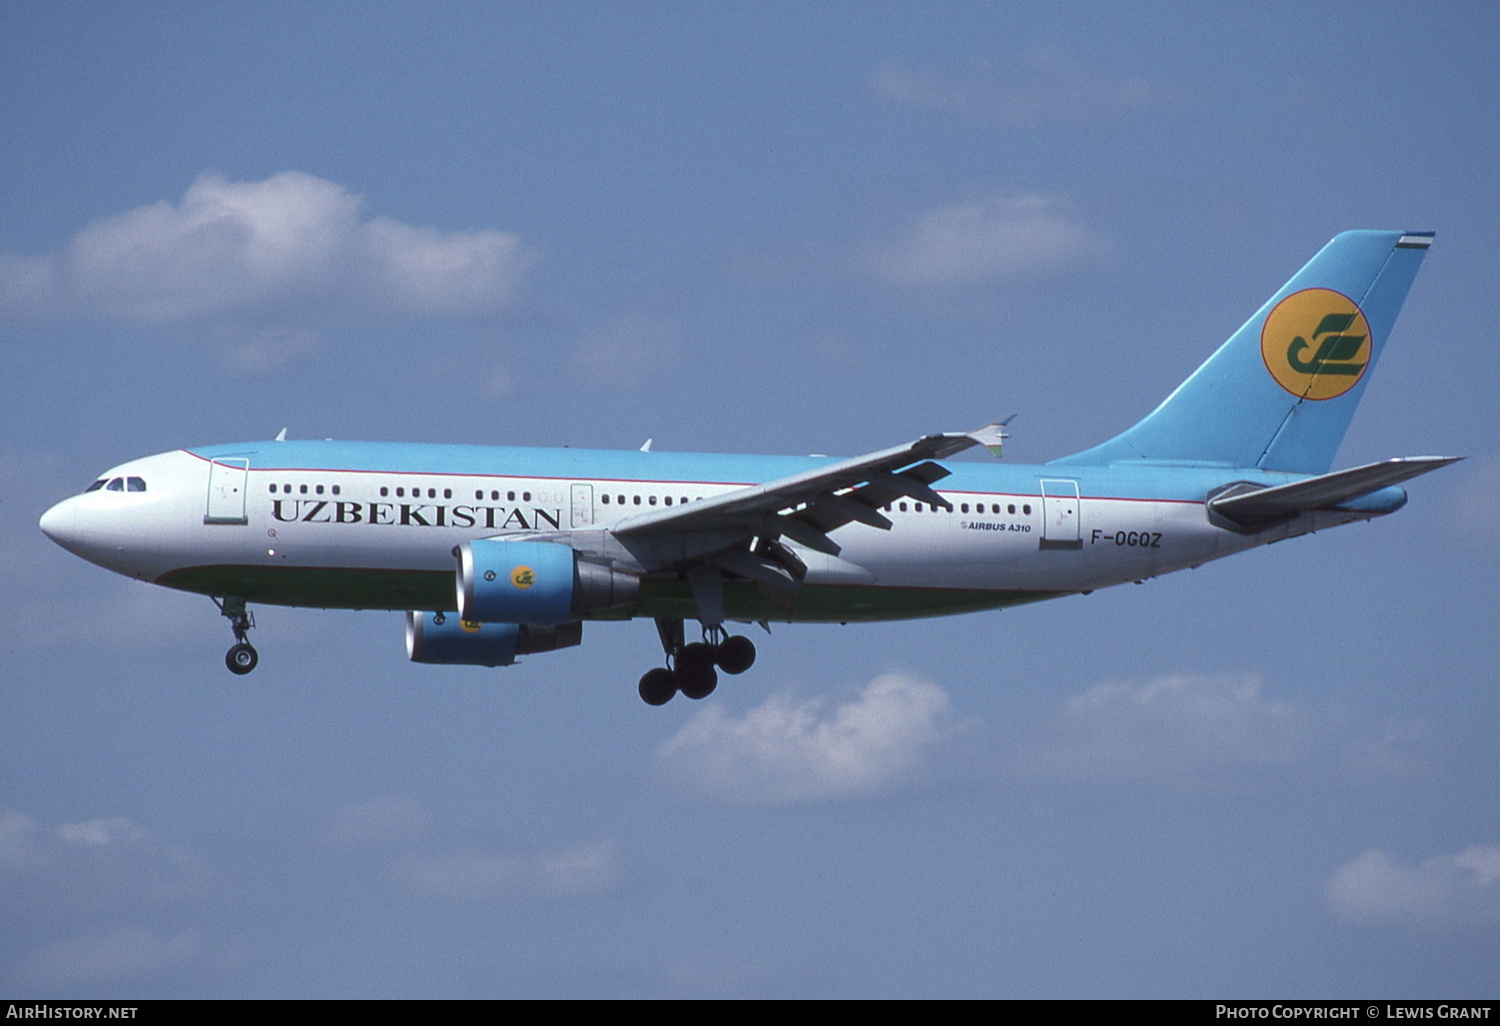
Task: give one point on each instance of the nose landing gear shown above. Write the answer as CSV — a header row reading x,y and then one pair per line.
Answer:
x,y
693,669
242,658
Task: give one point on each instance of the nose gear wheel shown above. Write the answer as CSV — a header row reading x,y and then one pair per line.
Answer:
x,y
242,657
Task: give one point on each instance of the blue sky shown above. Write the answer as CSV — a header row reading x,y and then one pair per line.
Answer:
x,y
778,228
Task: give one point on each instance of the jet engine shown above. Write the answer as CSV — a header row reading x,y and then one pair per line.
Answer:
x,y
539,583
438,638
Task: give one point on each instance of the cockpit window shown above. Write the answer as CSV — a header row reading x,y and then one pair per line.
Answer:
x,y
96,485
116,484
135,484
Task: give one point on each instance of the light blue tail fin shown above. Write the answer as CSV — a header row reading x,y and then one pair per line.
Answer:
x,y
1280,393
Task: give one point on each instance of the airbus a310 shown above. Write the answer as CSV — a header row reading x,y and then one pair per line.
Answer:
x,y
499,552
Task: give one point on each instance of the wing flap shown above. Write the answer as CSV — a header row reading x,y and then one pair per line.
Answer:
x,y
826,497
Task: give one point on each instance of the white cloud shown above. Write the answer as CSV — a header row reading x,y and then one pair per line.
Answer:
x,y
99,863
416,850
985,240
466,875
1472,505
634,351
259,351
128,953
1198,731
498,383
783,751
1449,890
588,868
292,248
386,820
1045,85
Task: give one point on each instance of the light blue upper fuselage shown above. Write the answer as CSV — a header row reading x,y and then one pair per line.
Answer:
x,y
1134,480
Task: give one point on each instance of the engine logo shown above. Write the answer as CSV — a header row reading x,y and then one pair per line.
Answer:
x,y
522,577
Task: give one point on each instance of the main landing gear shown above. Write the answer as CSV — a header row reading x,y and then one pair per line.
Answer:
x,y
242,658
693,669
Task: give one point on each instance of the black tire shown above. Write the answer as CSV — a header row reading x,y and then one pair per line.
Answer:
x,y
696,676
701,684
241,659
658,686
736,655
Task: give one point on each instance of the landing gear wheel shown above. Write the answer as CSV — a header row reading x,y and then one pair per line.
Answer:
x,y
658,686
241,659
736,654
700,686
696,676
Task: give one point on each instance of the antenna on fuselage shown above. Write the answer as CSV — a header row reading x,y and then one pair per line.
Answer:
x,y
281,435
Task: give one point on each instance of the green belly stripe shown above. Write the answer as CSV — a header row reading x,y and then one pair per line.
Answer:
x,y
346,588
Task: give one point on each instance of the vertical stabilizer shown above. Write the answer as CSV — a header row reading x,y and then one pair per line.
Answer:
x,y
1280,393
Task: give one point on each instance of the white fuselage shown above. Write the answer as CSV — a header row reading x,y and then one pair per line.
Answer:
x,y
355,533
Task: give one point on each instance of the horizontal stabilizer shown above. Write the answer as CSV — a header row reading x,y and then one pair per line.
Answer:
x,y
1265,505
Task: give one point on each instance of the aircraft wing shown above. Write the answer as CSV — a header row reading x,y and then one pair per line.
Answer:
x,y
805,507
1265,505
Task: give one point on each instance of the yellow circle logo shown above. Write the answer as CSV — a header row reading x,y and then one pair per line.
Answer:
x,y
522,577
1316,344
470,626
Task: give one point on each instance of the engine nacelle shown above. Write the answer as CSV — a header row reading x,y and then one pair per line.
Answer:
x,y
462,642
542,583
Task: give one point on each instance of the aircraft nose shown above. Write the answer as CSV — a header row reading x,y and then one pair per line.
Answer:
x,y
59,523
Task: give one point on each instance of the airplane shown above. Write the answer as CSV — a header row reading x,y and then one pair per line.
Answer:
x,y
499,552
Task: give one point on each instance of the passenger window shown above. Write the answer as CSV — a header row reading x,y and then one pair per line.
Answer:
x,y
901,506
1026,509
135,484
525,496
636,500
510,496
669,500
319,489
604,499
384,491
653,500
447,493
335,489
